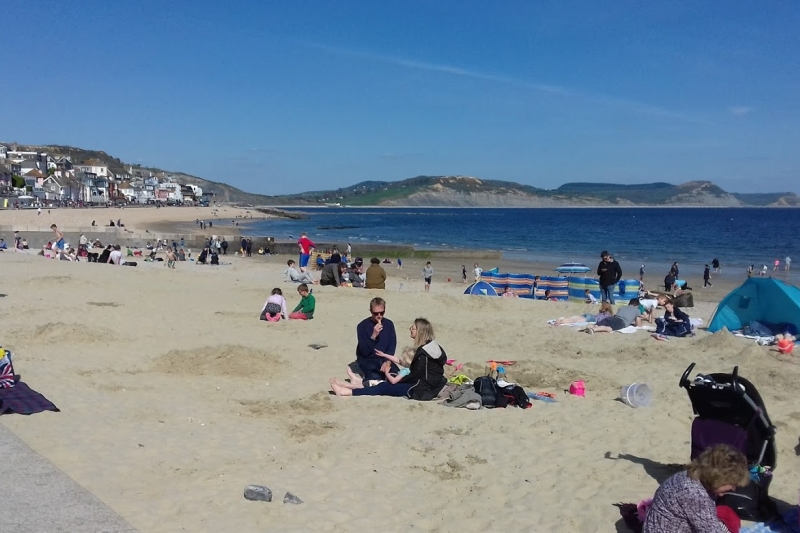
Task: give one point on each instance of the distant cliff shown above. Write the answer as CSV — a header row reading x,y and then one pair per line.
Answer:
x,y
458,191
461,191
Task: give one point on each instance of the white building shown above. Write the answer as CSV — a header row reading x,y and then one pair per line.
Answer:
x,y
93,166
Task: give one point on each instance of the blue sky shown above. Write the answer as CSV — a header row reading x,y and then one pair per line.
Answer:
x,y
280,97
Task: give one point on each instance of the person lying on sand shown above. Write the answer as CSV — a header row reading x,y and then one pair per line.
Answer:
x,y
426,372
626,316
606,311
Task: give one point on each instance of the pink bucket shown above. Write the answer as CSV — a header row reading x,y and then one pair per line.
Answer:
x,y
578,388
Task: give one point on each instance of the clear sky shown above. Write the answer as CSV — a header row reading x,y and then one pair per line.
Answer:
x,y
284,96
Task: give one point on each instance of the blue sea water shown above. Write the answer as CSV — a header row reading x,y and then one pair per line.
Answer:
x,y
736,236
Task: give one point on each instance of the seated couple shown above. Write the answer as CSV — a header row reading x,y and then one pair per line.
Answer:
x,y
298,277
424,378
275,307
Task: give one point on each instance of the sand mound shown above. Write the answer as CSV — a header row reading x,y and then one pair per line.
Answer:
x,y
309,428
318,403
532,375
70,333
722,340
234,361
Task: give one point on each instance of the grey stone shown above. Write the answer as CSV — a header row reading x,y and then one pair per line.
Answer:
x,y
291,498
257,493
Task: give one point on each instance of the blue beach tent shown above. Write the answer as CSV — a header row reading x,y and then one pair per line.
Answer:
x,y
766,300
481,288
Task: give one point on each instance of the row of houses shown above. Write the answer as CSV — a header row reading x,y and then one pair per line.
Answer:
x,y
56,178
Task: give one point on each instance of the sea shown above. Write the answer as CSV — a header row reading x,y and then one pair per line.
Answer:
x,y
738,237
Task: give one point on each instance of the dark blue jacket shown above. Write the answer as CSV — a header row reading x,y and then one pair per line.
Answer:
x,y
365,351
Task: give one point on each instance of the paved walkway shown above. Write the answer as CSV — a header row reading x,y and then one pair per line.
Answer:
x,y
37,497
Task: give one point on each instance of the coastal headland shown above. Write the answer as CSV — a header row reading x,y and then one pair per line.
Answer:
x,y
174,397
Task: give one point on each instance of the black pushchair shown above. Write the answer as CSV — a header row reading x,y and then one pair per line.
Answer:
x,y
729,410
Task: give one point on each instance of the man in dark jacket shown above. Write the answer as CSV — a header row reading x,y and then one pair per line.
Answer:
x,y
609,273
375,333
332,274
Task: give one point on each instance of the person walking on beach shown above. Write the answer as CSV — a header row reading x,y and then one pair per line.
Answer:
x,y
427,274
58,243
776,265
641,273
609,273
707,277
715,264
787,264
477,272
463,274
750,270
224,245
38,211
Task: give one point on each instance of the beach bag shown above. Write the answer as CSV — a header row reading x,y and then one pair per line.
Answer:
x,y
684,300
514,395
486,387
752,502
6,370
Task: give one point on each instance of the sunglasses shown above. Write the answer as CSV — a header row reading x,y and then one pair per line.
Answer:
x,y
378,313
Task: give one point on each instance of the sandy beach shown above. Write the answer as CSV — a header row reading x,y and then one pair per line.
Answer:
x,y
174,397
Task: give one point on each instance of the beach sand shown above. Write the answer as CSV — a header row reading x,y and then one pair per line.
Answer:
x,y
134,218
174,397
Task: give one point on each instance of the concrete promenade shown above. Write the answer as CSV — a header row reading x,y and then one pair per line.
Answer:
x,y
40,498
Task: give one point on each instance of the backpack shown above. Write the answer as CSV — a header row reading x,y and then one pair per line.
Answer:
x,y
513,395
486,387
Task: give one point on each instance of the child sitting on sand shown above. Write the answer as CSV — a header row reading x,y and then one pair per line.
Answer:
x,y
275,307
675,323
305,309
590,299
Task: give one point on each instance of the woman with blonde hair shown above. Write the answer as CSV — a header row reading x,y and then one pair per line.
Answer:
x,y
425,378
686,502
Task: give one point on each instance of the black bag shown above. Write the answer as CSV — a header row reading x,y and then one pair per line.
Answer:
x,y
752,501
486,387
514,395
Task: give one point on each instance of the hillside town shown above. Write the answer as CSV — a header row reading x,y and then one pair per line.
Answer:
x,y
41,178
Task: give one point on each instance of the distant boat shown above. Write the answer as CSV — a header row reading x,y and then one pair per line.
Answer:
x,y
573,268
333,205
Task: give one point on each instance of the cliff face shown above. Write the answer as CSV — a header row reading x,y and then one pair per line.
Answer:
x,y
444,197
471,192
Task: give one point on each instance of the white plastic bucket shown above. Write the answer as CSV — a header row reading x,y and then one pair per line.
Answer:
x,y
636,395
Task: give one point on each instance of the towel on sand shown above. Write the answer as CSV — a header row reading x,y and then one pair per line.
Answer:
x,y
23,400
788,525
